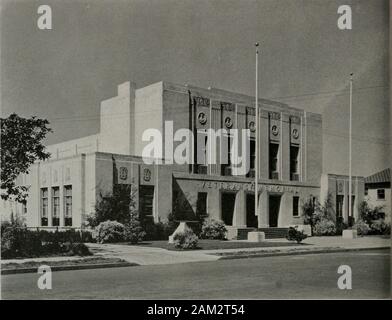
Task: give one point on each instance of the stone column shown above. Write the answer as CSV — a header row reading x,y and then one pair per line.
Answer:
x,y
263,219
285,147
239,216
214,204
285,210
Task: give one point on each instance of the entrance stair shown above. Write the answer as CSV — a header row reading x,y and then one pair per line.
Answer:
x,y
270,233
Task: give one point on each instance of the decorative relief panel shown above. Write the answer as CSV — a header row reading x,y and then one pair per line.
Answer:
x,y
201,101
295,129
228,115
147,175
274,125
202,110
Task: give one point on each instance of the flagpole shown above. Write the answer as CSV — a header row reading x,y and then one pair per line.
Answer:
x,y
350,148
257,130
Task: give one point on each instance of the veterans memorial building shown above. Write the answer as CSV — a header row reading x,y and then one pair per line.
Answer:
x,y
64,189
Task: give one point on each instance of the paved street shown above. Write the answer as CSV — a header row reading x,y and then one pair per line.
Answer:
x,y
298,276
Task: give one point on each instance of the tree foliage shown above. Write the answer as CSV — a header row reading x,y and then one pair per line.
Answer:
x,y
21,146
119,206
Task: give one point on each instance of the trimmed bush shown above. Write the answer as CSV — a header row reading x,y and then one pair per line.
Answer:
x,y
213,229
79,249
295,235
185,240
362,227
379,226
324,227
18,242
109,231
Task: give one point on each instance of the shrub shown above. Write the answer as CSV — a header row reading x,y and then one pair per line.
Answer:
x,y
185,240
362,227
295,235
78,249
324,227
109,231
117,206
380,227
133,232
20,242
369,214
213,229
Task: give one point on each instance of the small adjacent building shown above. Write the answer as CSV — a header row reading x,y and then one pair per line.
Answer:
x,y
378,190
337,188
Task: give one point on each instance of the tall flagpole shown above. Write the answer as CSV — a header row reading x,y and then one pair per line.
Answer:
x,y
257,130
350,148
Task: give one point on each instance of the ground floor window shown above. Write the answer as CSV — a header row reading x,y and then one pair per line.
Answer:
x,y
380,194
55,206
44,207
201,207
68,206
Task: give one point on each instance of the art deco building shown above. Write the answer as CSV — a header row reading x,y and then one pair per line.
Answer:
x,y
64,189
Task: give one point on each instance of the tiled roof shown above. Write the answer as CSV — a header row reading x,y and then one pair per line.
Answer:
x,y
379,177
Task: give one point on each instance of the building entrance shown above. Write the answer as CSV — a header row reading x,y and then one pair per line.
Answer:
x,y
227,205
274,207
146,199
251,219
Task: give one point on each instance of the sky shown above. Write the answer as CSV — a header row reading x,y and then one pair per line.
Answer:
x,y
62,74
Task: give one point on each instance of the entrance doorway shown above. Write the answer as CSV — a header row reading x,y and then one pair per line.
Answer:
x,y
251,219
227,205
274,207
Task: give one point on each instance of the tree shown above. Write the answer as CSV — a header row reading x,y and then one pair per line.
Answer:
x,y
21,146
117,206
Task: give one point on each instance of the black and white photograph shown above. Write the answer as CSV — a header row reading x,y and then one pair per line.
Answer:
x,y
215,150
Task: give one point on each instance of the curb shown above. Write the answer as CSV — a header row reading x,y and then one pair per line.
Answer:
x,y
292,253
72,267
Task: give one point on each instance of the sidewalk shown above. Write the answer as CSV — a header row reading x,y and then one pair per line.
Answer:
x,y
142,255
154,256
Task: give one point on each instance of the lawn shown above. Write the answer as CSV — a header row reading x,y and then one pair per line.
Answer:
x,y
219,244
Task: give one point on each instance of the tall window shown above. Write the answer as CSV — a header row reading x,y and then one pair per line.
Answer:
x,y
380,194
294,167
252,157
44,207
295,206
68,206
226,152
274,161
201,153
55,206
